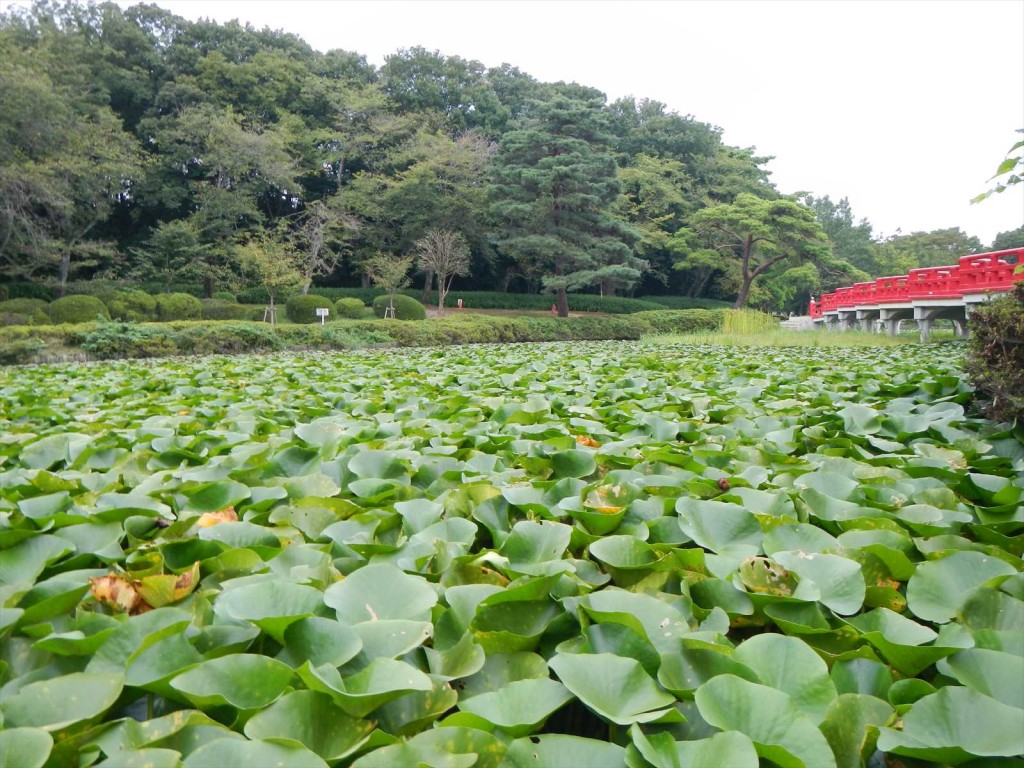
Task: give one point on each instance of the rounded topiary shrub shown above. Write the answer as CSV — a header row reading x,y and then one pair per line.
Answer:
x,y
225,296
178,306
24,312
216,309
77,309
132,306
302,309
350,308
406,307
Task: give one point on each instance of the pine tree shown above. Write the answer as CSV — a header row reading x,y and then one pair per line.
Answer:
x,y
553,190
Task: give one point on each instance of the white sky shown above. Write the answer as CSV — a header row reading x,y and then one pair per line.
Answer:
x,y
906,107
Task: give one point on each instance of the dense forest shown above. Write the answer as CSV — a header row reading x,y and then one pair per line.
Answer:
x,y
140,147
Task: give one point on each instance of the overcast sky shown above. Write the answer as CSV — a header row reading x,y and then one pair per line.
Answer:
x,y
905,107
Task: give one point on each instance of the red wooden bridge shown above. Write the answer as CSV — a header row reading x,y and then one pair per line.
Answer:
x,y
923,295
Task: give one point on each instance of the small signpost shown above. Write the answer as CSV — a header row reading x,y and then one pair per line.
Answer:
x,y
322,313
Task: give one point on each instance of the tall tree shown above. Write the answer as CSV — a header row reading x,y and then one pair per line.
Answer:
x,y
851,240
759,234
554,187
444,253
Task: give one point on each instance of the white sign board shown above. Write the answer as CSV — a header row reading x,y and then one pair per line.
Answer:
x,y
322,311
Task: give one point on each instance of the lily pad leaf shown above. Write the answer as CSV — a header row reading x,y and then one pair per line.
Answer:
x,y
242,680
375,592
851,727
217,754
270,605
836,580
993,673
731,749
24,747
954,725
790,665
62,701
939,588
320,641
768,717
614,687
313,720
521,706
556,750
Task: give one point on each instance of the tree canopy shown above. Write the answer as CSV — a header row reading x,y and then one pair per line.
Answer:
x,y
140,146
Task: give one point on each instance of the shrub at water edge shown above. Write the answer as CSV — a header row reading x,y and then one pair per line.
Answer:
x,y
77,309
350,308
302,309
178,306
406,307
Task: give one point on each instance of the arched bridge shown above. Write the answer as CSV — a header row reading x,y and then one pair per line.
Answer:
x,y
923,295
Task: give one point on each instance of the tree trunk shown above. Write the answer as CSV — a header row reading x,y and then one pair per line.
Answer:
x,y
562,302
62,274
365,280
207,287
305,287
741,297
427,283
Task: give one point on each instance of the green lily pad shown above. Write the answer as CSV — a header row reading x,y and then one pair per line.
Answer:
x,y
768,717
556,750
314,721
939,588
243,681
789,665
376,592
616,688
521,706
954,725
222,752
62,701
24,747
851,727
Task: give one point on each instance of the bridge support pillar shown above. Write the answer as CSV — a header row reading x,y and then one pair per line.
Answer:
x,y
891,326
960,329
924,325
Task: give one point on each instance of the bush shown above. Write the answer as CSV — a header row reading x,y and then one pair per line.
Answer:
x,y
20,352
24,312
669,321
225,296
350,308
302,309
131,306
121,339
77,309
995,356
406,307
216,309
178,306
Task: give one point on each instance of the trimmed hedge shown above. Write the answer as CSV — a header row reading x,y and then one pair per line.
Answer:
x,y
687,302
406,307
225,296
302,309
350,308
216,309
105,340
24,312
178,306
77,309
133,306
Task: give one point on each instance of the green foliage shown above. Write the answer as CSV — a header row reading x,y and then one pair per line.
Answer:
x,y
20,352
225,296
1009,171
686,302
651,556
178,306
302,309
218,309
406,307
123,339
350,308
24,312
995,360
132,306
77,309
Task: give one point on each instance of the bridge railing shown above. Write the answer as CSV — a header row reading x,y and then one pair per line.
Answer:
x,y
974,273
